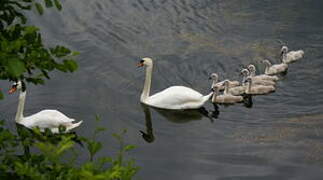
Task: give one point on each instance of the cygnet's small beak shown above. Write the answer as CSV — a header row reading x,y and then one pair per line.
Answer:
x,y
210,78
140,64
12,89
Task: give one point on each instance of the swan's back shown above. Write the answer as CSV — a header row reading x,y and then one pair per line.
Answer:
x,y
260,89
277,68
263,82
177,97
46,119
227,99
293,56
265,77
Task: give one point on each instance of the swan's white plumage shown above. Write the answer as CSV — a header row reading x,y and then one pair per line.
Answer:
x,y
51,119
175,97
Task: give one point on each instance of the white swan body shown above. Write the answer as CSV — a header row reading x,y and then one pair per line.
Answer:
x,y
175,97
258,89
261,77
51,119
274,69
220,85
291,56
226,97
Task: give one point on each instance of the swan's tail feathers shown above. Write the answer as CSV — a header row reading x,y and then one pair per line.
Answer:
x,y
207,97
73,125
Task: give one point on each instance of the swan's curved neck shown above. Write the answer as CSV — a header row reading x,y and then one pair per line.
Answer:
x,y
21,105
267,64
244,78
284,56
215,80
253,73
226,88
146,91
249,86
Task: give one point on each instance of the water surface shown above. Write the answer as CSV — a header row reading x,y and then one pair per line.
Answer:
x,y
280,137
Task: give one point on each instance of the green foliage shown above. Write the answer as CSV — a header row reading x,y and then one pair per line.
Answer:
x,y
22,52
55,157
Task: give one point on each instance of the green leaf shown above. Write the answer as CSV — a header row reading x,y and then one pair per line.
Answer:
x,y
129,147
94,147
39,8
48,3
58,5
71,65
16,67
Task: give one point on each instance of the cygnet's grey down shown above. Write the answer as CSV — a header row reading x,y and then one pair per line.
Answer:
x,y
215,79
255,77
274,69
257,89
258,80
226,97
291,56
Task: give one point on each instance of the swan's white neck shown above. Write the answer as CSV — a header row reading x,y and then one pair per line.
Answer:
x,y
21,105
146,91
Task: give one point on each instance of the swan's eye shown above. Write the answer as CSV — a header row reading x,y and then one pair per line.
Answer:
x,y
142,61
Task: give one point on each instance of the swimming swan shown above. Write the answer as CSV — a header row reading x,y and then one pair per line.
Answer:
x,y
51,119
291,56
226,97
274,69
215,78
255,77
257,89
175,97
259,81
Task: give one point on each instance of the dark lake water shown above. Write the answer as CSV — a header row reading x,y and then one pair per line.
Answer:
x,y
280,137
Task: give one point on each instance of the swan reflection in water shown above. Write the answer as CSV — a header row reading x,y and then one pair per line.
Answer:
x,y
182,116
176,116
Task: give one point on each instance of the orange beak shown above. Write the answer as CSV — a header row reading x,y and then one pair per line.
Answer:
x,y
140,64
12,90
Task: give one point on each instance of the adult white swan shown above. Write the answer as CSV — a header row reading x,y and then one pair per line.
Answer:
x,y
174,97
51,119
291,56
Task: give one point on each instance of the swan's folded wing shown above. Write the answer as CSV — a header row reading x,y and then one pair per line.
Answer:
x,y
176,97
47,119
